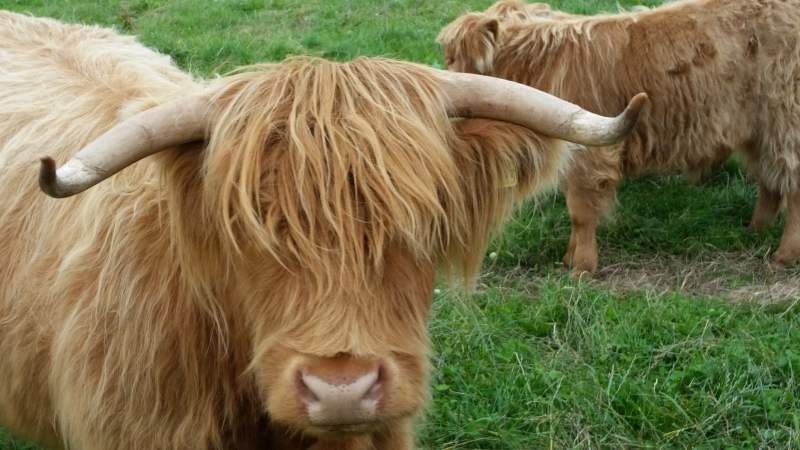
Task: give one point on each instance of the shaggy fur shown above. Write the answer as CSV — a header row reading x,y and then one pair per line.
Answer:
x,y
505,10
519,10
721,75
171,306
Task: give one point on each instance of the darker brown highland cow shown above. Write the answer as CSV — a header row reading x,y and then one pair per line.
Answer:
x,y
256,270
722,76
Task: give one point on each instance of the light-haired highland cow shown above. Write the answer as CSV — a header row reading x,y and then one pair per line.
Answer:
x,y
721,74
256,271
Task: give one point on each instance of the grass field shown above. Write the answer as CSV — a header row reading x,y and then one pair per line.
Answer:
x,y
684,339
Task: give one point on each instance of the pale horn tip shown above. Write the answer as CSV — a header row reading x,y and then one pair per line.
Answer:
x,y
48,180
630,116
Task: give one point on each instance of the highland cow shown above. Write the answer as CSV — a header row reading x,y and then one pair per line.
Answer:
x,y
257,270
721,74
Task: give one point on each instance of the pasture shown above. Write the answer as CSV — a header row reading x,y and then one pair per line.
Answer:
x,y
684,339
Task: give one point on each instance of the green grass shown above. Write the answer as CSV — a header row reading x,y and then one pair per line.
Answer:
x,y
7,443
535,360
577,367
655,216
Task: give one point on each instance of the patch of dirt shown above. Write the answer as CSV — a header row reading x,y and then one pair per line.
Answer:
x,y
733,277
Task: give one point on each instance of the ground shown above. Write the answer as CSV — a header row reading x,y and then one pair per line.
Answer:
x,y
685,339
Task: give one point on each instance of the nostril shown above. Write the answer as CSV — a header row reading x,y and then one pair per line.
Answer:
x,y
306,393
376,390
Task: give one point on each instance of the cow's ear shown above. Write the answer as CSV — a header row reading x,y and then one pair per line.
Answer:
x,y
491,26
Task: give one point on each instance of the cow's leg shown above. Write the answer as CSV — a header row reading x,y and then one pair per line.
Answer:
x,y
767,206
590,189
585,210
569,255
789,250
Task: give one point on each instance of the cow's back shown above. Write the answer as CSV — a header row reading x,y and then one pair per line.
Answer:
x,y
60,86
701,61
696,62
710,67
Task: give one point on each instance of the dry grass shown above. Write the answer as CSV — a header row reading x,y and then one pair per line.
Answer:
x,y
734,277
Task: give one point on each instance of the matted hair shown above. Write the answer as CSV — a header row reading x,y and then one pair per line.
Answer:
x,y
335,161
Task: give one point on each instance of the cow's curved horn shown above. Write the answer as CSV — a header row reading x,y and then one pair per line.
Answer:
x,y
173,123
494,98
185,120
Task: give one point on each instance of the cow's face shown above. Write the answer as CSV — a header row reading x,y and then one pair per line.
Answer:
x,y
469,43
343,362
352,196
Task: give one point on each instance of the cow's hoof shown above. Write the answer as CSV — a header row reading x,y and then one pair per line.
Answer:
x,y
583,268
775,264
568,258
782,259
779,262
582,274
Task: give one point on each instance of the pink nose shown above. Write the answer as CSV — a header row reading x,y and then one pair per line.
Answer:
x,y
341,398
